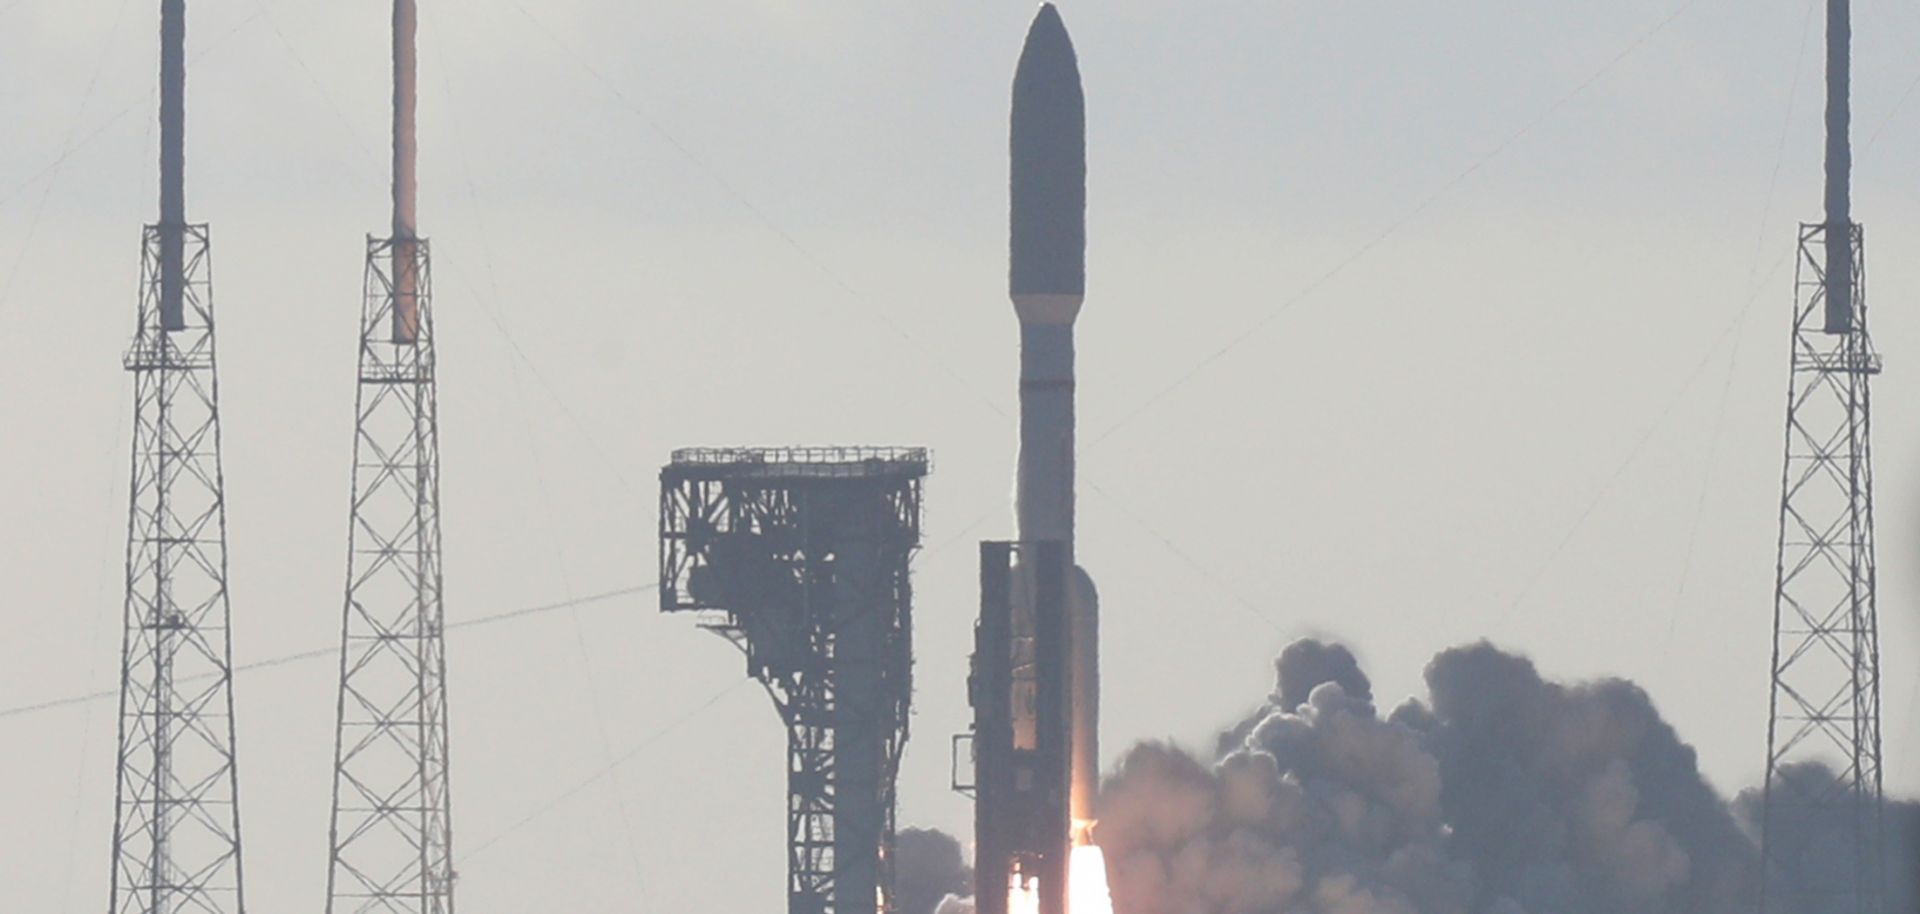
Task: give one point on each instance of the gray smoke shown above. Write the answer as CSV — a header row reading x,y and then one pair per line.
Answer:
x,y
1816,858
954,904
1304,665
928,867
1500,793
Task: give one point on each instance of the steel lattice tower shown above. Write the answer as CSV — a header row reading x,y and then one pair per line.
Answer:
x,y
176,834
391,841
1822,841
801,557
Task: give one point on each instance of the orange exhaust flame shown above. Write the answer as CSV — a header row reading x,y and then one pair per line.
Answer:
x,y
1087,881
1023,896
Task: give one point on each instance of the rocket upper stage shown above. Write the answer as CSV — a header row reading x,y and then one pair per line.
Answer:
x,y
1049,267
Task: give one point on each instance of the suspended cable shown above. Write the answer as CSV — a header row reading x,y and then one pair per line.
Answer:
x,y
1391,230
285,659
573,791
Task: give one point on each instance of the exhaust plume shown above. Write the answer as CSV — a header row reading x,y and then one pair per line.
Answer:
x,y
1499,793
1816,863
928,866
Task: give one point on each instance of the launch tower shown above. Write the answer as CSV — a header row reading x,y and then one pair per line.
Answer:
x,y
391,840
1822,836
800,558
176,830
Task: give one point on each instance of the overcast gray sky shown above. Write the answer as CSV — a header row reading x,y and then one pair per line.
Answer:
x,y
1409,323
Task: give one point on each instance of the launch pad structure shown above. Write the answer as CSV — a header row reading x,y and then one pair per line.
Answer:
x,y
800,557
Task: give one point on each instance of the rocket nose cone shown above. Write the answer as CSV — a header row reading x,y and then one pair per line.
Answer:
x,y
1049,17
1049,49
1049,166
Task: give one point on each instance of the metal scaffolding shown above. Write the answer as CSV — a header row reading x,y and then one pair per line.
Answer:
x,y
800,557
176,834
392,831
1822,837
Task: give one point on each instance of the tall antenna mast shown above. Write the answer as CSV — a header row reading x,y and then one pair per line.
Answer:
x,y
391,841
406,179
1822,834
173,162
176,832
1839,227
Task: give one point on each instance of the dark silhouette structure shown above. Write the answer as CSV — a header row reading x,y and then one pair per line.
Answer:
x,y
800,557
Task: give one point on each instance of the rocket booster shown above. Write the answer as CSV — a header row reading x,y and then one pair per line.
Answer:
x,y
1048,284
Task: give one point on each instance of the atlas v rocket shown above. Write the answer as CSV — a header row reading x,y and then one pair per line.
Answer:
x,y
1035,680
1048,283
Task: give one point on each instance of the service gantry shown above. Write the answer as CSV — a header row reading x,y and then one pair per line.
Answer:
x,y
800,557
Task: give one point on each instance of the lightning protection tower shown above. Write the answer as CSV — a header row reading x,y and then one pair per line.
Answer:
x,y
176,832
800,558
1822,833
391,841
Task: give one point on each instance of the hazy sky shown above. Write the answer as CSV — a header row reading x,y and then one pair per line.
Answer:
x,y
1409,323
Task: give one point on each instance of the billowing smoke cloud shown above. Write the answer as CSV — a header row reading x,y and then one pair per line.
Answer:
x,y
928,866
1816,858
1304,665
954,904
1500,793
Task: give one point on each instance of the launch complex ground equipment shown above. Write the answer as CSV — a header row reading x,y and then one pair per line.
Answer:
x,y
799,556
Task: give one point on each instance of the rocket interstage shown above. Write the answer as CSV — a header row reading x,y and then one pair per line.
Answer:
x,y
1047,282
